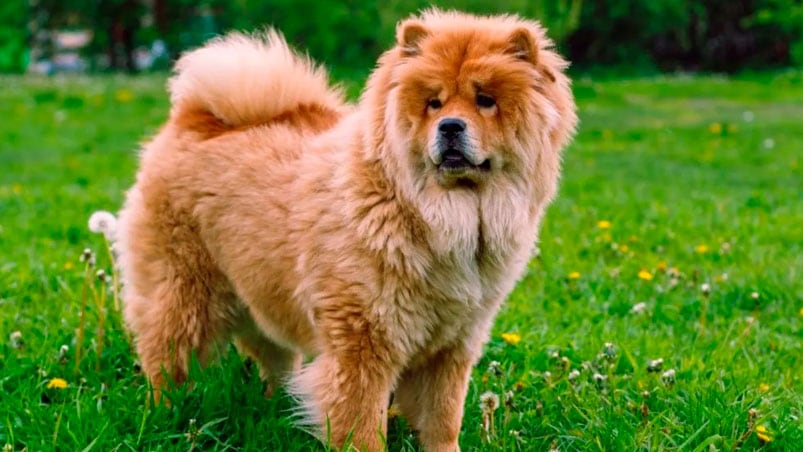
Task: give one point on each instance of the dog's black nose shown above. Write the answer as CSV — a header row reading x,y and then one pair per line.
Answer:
x,y
451,126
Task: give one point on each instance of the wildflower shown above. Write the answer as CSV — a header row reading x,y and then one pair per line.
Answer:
x,y
768,143
604,224
754,295
573,375
88,256
495,368
655,365
638,308
16,188
701,248
511,338
800,313
123,96
102,222
63,351
668,377
8,448
609,351
68,265
547,375
509,398
574,275
57,383
599,379
673,282
748,116
764,387
725,248
673,272
624,249
489,402
394,411
645,275
662,266
763,434
16,339
705,288
564,361
715,128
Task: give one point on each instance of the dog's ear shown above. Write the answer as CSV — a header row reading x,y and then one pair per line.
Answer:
x,y
409,34
521,44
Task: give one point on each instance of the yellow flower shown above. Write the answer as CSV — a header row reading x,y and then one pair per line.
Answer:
x,y
394,411
715,128
574,275
764,387
57,383
763,434
68,265
800,313
511,338
16,188
604,224
701,248
645,275
624,248
662,266
123,95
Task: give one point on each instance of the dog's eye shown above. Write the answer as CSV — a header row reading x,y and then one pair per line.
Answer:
x,y
434,104
484,101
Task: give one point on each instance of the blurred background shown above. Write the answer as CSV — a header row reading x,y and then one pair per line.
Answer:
x,y
47,36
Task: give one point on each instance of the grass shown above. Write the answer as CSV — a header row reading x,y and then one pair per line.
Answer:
x,y
698,178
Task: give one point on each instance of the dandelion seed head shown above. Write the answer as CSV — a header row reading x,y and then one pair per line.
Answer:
x,y
705,288
754,295
495,368
655,365
638,308
573,375
489,401
16,339
768,143
668,377
102,222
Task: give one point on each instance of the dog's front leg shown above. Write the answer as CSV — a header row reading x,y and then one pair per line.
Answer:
x,y
432,395
345,391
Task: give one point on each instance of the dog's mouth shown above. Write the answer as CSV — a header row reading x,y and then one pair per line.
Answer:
x,y
454,162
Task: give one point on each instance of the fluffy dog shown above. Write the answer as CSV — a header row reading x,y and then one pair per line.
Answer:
x,y
379,239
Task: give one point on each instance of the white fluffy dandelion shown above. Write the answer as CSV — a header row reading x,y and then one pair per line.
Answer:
x,y
638,308
16,339
102,222
705,288
574,375
489,402
655,365
668,377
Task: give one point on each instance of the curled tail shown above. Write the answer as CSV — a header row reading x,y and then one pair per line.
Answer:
x,y
238,80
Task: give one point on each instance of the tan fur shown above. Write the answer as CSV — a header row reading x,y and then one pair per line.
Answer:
x,y
269,211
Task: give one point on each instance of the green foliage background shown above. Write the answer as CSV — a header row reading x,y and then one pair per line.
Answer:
x,y
719,35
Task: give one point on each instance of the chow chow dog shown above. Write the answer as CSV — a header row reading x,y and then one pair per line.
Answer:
x,y
377,239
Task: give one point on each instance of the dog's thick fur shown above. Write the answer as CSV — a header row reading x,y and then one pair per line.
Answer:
x,y
269,211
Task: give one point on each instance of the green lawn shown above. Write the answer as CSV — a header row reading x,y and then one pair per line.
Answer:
x,y
698,178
